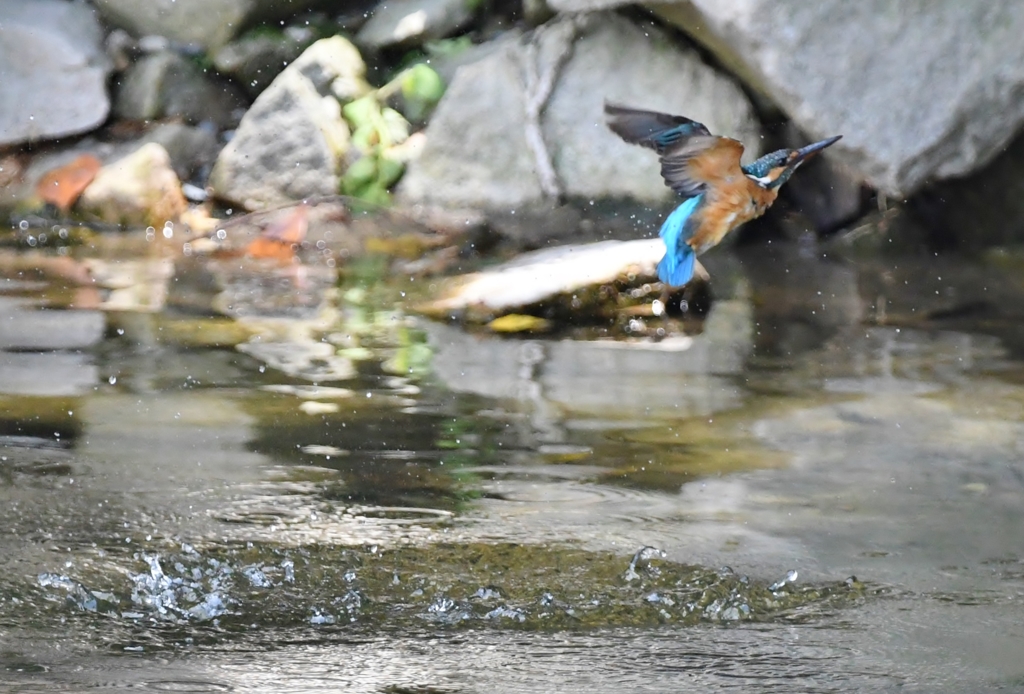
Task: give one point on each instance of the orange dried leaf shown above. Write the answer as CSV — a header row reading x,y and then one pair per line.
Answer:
x,y
61,186
269,248
279,240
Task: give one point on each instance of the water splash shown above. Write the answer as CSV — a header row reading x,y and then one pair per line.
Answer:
x,y
790,577
78,596
377,587
644,554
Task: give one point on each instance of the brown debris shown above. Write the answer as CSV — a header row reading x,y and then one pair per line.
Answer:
x,y
280,240
62,186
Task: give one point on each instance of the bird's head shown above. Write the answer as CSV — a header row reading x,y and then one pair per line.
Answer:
x,y
774,169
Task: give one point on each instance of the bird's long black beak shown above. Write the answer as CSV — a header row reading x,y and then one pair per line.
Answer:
x,y
805,153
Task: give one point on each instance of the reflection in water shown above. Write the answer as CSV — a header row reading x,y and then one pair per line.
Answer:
x,y
40,351
474,511
800,300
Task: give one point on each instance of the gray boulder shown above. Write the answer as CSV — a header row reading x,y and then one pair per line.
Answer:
x,y
411,22
478,151
204,24
51,53
291,144
826,191
918,89
618,61
165,84
985,209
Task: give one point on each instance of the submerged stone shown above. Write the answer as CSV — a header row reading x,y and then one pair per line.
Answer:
x,y
313,361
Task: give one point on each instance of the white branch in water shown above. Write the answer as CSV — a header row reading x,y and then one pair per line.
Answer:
x,y
538,88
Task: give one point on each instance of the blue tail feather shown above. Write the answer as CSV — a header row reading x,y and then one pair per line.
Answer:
x,y
676,267
676,271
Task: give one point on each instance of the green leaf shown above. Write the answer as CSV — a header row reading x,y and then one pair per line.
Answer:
x,y
376,194
389,171
362,112
360,174
396,125
421,83
421,89
366,138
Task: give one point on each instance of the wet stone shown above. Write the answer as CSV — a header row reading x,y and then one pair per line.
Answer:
x,y
540,276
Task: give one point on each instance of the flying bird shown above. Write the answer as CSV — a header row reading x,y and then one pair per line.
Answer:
x,y
720,193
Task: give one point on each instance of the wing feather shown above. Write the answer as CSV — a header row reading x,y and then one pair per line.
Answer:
x,y
649,128
691,157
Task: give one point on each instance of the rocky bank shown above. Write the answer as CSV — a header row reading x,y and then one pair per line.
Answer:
x,y
496,107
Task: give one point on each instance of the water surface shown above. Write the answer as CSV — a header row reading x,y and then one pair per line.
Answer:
x,y
825,471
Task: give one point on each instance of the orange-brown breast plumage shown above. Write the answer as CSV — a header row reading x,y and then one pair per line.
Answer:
x,y
735,200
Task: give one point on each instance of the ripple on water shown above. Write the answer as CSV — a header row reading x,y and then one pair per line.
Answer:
x,y
564,452
574,504
401,514
188,686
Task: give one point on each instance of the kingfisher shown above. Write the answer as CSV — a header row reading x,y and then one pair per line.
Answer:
x,y
720,193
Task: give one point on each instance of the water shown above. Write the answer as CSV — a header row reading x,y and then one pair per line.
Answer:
x,y
825,474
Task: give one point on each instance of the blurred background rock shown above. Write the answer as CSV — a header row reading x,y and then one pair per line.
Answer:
x,y
496,105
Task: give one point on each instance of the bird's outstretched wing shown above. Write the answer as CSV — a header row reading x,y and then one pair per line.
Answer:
x,y
691,157
650,128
